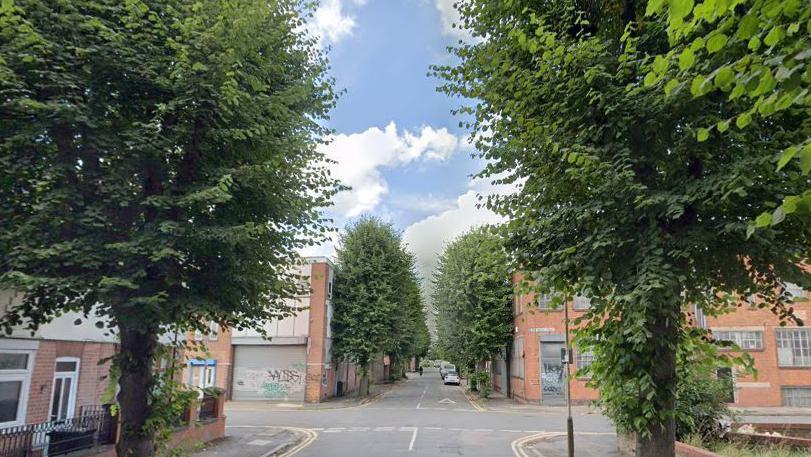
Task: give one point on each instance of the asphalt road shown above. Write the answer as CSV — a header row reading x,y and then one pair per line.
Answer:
x,y
421,417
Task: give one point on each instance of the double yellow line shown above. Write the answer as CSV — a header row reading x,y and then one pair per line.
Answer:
x,y
309,437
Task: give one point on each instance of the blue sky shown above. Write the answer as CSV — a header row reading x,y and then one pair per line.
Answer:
x,y
396,142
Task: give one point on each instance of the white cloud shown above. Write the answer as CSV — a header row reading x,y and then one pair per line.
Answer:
x,y
450,16
427,238
329,22
360,157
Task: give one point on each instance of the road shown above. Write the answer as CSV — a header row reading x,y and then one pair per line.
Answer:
x,y
421,417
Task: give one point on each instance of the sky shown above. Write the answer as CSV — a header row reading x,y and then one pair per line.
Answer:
x,y
396,142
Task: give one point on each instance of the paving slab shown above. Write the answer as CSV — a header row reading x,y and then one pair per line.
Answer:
x,y
584,446
252,442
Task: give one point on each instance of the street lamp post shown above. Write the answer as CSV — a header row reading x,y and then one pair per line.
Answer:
x,y
568,361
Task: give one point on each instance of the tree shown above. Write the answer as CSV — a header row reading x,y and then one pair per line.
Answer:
x,y
616,198
753,51
158,167
473,297
378,307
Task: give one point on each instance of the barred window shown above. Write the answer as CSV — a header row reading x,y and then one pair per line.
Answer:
x,y
583,359
746,339
793,347
796,396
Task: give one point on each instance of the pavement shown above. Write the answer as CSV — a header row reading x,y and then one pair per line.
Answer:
x,y
556,445
418,417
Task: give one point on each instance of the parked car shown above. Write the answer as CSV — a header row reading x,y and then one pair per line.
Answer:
x,y
445,368
451,377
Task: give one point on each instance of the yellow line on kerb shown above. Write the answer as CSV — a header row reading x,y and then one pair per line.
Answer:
x,y
311,436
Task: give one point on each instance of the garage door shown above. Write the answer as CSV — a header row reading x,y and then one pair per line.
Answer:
x,y
269,372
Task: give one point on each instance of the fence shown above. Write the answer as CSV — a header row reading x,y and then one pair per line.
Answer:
x,y
93,426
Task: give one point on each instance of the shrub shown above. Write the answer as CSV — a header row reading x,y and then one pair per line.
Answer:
x,y
701,407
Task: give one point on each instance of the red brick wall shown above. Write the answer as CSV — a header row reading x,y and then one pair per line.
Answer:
x,y
219,350
315,390
760,390
90,385
763,389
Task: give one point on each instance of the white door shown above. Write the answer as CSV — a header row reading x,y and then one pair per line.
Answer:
x,y
63,398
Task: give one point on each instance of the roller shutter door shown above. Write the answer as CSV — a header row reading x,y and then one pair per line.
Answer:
x,y
270,372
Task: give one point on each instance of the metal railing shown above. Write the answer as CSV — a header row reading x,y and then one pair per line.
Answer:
x,y
92,427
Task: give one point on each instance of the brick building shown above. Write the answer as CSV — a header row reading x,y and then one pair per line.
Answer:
x,y
782,354
296,363
54,373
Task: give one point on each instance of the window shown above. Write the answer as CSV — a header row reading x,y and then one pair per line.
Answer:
x,y
517,358
796,396
746,339
213,331
794,291
582,360
15,375
202,372
581,302
545,301
63,396
793,347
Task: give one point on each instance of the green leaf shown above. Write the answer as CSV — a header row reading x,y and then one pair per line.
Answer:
x,y
697,87
743,120
786,156
724,77
716,42
805,159
754,43
763,220
654,6
722,126
748,26
774,36
702,134
778,216
680,8
670,86
686,59
660,64
651,79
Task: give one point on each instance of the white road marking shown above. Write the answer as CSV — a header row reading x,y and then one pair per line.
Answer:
x,y
458,429
483,430
432,428
446,401
413,438
317,429
259,442
510,431
358,429
334,430
422,396
406,429
384,429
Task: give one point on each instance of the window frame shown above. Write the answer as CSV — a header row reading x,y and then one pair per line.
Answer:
x,y
779,341
24,377
578,361
783,390
73,394
579,299
737,336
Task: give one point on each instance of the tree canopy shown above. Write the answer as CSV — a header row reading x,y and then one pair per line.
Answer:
x,y
377,301
158,167
473,299
620,196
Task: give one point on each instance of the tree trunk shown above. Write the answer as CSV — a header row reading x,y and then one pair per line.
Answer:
x,y
664,328
135,382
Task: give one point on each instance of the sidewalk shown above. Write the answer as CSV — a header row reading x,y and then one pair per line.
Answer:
x,y
585,445
498,402
349,401
257,442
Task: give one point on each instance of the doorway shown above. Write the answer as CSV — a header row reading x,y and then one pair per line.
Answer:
x,y
552,374
63,398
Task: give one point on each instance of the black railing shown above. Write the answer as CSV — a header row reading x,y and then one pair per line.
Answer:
x,y
93,426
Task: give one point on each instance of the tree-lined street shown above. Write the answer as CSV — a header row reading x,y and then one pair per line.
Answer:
x,y
420,417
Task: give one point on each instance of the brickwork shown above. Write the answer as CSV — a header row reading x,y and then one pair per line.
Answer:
x,y
90,384
317,384
764,389
217,348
